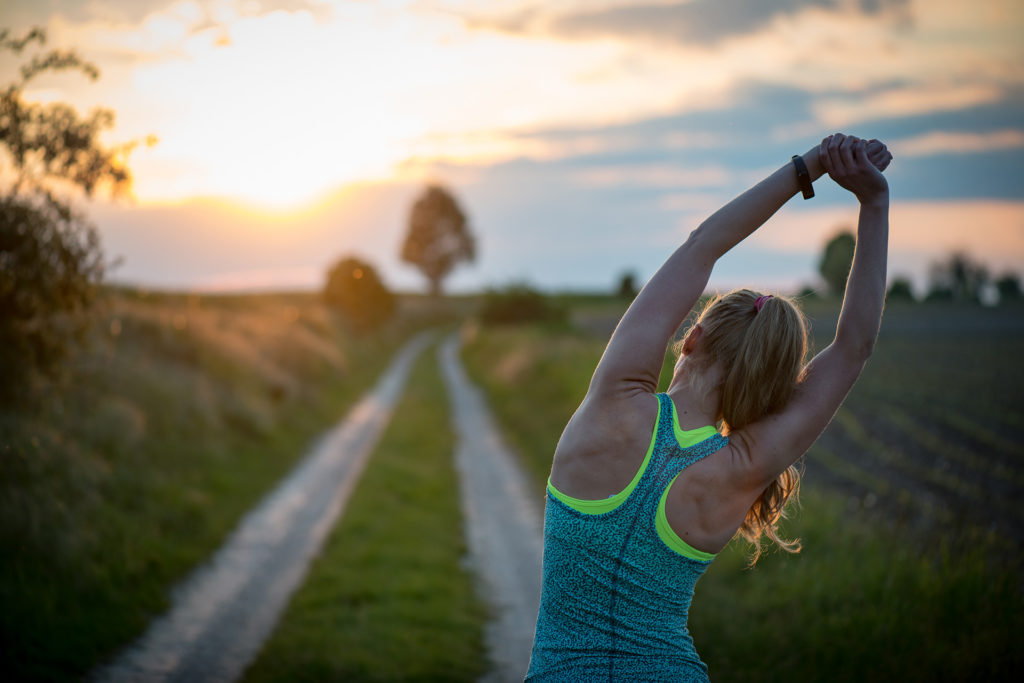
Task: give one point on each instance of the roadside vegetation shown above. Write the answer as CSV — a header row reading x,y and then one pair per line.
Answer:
x,y
390,598
167,426
912,533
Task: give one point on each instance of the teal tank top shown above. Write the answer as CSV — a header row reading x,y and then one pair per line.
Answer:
x,y
617,580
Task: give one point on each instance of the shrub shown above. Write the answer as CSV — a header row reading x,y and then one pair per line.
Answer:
x,y
900,290
627,288
50,266
519,304
1008,286
50,258
356,291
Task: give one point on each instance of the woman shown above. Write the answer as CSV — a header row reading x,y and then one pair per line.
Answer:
x,y
644,490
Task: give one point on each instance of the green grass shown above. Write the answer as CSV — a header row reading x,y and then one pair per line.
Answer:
x,y
181,414
888,586
535,379
867,599
390,599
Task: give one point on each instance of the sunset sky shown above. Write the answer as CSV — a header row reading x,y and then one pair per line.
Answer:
x,y
583,137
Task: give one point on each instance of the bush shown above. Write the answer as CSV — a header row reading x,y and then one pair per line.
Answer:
x,y
356,291
1009,288
836,260
50,258
519,304
50,266
627,288
900,290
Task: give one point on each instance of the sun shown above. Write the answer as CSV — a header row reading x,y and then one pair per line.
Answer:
x,y
260,122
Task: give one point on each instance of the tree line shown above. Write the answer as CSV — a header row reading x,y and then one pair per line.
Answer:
x,y
957,277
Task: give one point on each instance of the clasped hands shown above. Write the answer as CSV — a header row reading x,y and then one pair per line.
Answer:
x,y
856,165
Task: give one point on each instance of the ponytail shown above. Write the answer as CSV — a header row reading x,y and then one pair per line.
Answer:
x,y
760,342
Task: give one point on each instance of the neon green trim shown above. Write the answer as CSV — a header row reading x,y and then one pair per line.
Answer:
x,y
669,537
689,437
597,507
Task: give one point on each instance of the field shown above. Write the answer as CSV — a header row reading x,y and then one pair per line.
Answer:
x,y
184,410
910,520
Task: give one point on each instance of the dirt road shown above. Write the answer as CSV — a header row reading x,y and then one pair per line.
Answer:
x,y
223,612
503,523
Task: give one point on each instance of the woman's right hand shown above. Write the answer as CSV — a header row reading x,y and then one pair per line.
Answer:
x,y
857,165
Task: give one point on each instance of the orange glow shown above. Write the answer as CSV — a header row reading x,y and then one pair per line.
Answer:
x,y
991,231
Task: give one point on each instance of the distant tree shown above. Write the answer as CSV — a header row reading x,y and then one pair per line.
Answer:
x,y
836,260
959,278
1008,286
50,258
900,290
627,285
356,291
438,237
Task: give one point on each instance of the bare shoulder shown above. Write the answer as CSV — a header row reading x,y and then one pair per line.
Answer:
x,y
604,443
605,418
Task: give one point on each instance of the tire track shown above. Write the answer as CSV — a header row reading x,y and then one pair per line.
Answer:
x,y
503,523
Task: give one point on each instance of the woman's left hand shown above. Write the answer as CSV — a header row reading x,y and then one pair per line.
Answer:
x,y
856,166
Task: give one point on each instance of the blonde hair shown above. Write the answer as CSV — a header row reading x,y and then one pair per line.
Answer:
x,y
761,351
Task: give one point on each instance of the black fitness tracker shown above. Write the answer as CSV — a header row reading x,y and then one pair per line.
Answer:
x,y
803,177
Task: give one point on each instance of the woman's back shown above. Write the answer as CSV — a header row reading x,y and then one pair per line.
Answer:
x,y
618,580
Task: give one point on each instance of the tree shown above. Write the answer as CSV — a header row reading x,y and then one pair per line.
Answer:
x,y
900,290
438,237
1008,286
50,258
627,285
836,261
958,277
357,292
518,304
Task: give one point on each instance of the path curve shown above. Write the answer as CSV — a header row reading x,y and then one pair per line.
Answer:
x,y
224,611
503,518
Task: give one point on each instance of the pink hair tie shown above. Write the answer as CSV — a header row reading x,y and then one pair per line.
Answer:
x,y
760,302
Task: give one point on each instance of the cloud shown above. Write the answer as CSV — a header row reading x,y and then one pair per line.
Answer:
x,y
652,175
696,22
903,101
958,142
26,12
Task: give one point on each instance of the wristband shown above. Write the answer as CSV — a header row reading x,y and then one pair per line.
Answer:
x,y
803,178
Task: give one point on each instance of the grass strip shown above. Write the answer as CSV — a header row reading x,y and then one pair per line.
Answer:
x,y
390,598
535,379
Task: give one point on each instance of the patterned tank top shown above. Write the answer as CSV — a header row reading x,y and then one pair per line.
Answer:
x,y
617,580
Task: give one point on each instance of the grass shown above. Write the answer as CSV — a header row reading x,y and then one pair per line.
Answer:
x,y
867,599
890,585
390,599
535,378
171,425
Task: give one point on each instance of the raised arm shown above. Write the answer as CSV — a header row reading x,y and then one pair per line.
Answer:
x,y
633,358
772,444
